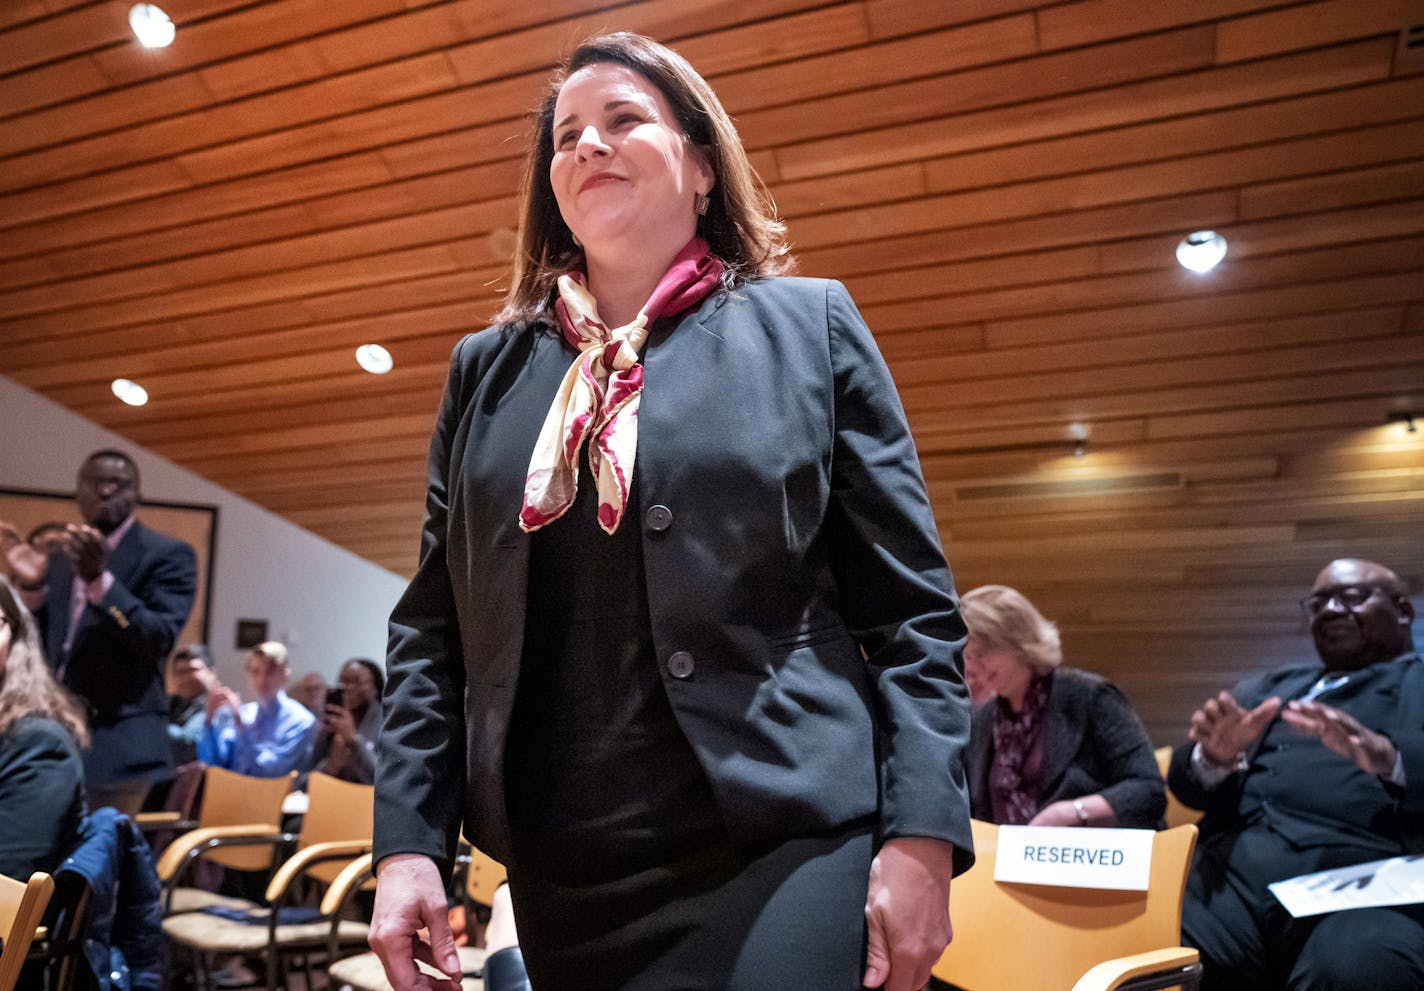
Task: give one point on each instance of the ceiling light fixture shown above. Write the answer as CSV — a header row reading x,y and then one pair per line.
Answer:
x,y
1404,416
1078,438
1201,251
129,392
374,359
151,26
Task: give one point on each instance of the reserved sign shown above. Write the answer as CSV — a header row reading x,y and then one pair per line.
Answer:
x,y
1074,857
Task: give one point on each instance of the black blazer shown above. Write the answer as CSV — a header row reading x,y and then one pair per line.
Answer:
x,y
1093,744
116,662
41,796
785,529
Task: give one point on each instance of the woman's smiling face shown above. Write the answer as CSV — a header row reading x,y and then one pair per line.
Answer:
x,y
622,169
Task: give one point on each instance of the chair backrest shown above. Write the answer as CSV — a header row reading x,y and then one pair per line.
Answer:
x,y
1177,813
482,877
61,951
22,904
232,799
1026,937
336,810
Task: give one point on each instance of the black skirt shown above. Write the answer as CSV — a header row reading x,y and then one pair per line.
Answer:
x,y
623,874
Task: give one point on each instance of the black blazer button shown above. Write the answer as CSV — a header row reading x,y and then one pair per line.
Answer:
x,y
680,665
659,518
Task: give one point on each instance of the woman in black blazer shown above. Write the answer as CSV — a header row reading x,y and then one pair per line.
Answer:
x,y
682,650
41,731
1050,745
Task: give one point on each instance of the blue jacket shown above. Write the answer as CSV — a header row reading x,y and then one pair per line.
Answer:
x,y
123,941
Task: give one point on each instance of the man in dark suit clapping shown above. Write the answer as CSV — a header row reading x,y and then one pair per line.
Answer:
x,y
1305,769
110,605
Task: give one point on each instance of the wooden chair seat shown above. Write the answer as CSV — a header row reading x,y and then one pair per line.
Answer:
x,y
197,899
212,934
363,972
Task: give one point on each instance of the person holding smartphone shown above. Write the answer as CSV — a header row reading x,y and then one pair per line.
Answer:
x,y
350,722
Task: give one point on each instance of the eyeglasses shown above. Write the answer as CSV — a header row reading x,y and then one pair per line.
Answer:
x,y
1350,596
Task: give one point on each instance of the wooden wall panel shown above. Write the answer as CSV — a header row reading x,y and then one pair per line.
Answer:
x,y
1000,183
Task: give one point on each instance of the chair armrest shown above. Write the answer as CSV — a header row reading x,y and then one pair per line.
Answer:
x,y
1112,973
347,883
149,821
193,844
351,879
302,860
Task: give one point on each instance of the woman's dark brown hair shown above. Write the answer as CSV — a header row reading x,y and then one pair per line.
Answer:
x,y
26,687
740,224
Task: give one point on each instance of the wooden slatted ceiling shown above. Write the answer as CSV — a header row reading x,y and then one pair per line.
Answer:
x,y
1001,183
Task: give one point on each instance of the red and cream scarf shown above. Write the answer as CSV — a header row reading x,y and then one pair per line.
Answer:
x,y
599,396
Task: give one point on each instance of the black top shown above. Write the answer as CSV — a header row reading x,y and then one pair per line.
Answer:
x,y
601,780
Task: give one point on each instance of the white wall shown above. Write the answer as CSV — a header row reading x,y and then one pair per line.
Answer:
x,y
325,603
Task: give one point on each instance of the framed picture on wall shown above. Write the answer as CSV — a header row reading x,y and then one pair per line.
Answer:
x,y
194,524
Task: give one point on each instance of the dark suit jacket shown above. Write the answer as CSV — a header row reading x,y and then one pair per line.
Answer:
x,y
1321,799
786,528
1093,744
116,662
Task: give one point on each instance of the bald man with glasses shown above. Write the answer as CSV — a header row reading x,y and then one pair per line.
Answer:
x,y
1305,769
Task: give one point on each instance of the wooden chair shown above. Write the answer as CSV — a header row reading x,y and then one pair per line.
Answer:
x,y
236,821
363,972
22,904
1028,937
1177,813
335,831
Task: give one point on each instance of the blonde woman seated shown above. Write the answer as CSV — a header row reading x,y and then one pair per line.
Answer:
x,y
1049,745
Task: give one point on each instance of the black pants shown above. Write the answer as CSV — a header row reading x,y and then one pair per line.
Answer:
x,y
1248,942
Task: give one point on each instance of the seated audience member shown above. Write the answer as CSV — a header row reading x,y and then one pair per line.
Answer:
x,y
310,691
265,738
346,746
1049,745
41,731
1309,768
189,679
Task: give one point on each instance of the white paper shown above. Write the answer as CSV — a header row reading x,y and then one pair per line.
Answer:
x,y
1074,857
1393,881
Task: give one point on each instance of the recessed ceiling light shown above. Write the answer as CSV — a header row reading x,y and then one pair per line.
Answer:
x,y
151,26
129,392
375,359
1201,251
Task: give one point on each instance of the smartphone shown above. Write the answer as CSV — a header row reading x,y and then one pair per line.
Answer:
x,y
336,697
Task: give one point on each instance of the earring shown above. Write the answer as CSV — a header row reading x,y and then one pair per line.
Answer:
x,y
576,239
701,203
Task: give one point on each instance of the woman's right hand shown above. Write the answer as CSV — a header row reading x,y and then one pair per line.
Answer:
x,y
410,897
339,723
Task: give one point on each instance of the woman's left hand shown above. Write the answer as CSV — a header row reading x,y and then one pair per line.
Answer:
x,y
907,911
1056,814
